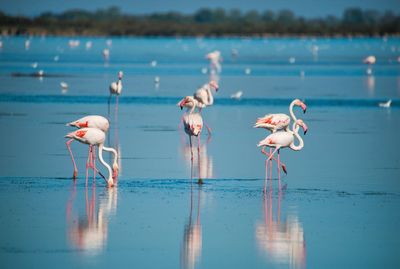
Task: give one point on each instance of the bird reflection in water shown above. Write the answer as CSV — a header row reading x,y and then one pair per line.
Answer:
x,y
192,236
282,242
202,162
88,232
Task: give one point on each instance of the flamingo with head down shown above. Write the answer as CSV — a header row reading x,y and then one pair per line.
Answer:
x,y
95,137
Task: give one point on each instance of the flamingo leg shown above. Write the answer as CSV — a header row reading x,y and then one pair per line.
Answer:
x,y
72,158
94,162
181,122
270,163
191,148
279,168
208,129
88,163
275,159
116,106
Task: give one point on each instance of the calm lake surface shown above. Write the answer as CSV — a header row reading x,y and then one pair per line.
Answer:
x,y
337,206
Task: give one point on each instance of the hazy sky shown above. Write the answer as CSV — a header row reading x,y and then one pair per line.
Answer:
x,y
308,8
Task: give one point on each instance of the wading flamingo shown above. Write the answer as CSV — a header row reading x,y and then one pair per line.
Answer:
x,y
275,122
92,121
116,88
95,137
215,60
370,60
282,139
191,104
192,121
205,97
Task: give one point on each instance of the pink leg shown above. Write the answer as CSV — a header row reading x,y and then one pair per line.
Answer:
x,y
208,128
181,122
273,158
88,163
116,105
279,168
72,158
270,163
94,162
191,148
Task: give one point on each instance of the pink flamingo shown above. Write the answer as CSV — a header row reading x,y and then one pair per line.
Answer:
x,y
92,121
95,137
283,139
275,122
192,121
215,60
116,88
205,97
370,60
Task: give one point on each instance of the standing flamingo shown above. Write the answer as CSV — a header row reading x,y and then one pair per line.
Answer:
x,y
275,122
95,137
215,60
283,139
370,60
205,97
116,88
92,121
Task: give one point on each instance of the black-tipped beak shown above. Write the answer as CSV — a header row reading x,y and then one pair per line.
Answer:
x,y
305,131
181,107
304,111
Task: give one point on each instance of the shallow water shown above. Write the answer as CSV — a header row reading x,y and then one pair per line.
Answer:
x,y
336,207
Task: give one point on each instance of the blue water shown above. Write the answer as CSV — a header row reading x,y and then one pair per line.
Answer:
x,y
337,207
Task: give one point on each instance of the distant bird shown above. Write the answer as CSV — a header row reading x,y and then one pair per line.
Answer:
x,y
215,60
386,104
237,95
106,54
91,121
153,63
27,44
73,43
283,139
34,65
56,58
157,80
247,71
40,73
370,60
204,70
292,60
88,45
94,137
1,44
64,85
116,88
275,122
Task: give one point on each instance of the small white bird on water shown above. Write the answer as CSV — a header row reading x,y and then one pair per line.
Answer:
x,y
64,85
237,95
34,65
386,104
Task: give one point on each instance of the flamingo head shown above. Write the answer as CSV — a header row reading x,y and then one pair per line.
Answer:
x,y
303,125
110,182
214,85
299,103
188,101
115,169
120,74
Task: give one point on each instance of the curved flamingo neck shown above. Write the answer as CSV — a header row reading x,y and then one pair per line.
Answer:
x,y
296,134
210,96
115,154
291,112
110,180
191,110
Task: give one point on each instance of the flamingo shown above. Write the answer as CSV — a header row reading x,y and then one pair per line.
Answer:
x,y
92,121
116,88
205,97
283,139
386,104
275,122
192,121
215,59
370,60
106,54
95,137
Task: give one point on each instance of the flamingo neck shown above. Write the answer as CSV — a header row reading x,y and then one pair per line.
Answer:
x,y
210,96
191,110
291,113
296,134
115,164
110,180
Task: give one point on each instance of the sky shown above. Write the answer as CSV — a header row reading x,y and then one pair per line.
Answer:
x,y
306,8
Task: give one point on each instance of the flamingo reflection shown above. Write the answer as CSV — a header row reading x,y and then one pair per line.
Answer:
x,y
88,232
192,235
281,241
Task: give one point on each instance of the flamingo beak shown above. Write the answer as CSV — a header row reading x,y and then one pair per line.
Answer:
x,y
305,128
304,107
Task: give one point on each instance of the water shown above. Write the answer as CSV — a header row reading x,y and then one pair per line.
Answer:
x,y
336,207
